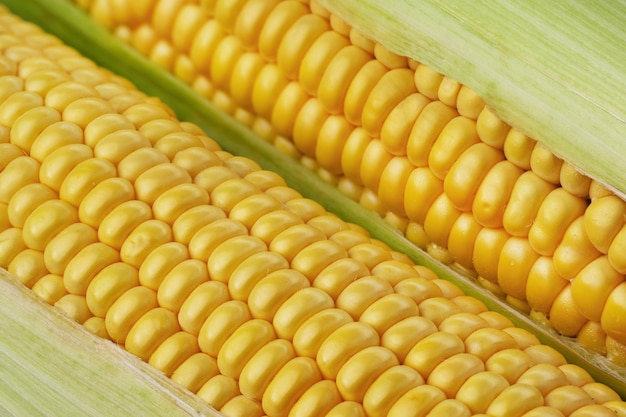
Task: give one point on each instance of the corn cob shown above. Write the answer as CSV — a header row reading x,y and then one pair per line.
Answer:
x,y
456,180
276,326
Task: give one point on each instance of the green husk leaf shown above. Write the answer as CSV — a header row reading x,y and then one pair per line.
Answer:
x,y
51,366
71,25
554,70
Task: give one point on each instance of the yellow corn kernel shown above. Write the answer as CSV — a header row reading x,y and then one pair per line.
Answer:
x,y
421,190
108,285
143,239
230,253
74,306
545,164
615,351
449,407
360,294
149,331
105,125
273,290
428,81
60,163
593,337
387,311
286,108
218,390
510,363
427,128
271,225
467,172
616,251
54,137
388,58
17,104
457,136
469,103
291,315
195,371
557,211
543,285
361,369
516,400
463,234
193,220
227,52
263,365
567,399
251,270
592,285
600,392
18,173
462,324
388,387
393,87
180,281
126,310
209,237
516,260
66,244
603,219
50,288
30,124
543,411
330,143
361,86
27,265
359,39
244,342
565,315
448,91
288,385
483,343
173,351
575,250
527,196
612,314
317,58
592,410
241,406
440,219
220,324
25,201
491,129
494,192
296,42
397,126
307,124
480,389
543,376
417,402
432,350
319,399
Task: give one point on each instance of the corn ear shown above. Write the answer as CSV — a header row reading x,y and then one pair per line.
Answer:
x,y
64,20
555,71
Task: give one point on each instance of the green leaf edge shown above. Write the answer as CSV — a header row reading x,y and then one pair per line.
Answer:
x,y
554,70
70,24
52,366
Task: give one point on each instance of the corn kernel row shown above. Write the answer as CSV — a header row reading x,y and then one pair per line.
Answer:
x,y
231,283
418,148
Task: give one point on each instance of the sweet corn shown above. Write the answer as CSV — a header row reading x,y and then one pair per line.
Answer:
x,y
257,299
411,124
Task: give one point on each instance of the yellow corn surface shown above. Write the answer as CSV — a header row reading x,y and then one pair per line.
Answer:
x,y
419,148
216,273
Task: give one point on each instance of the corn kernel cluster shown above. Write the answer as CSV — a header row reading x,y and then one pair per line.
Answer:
x,y
413,145
215,272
